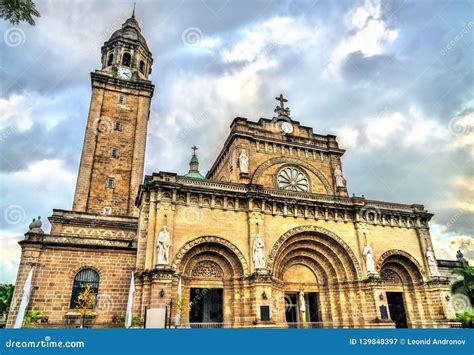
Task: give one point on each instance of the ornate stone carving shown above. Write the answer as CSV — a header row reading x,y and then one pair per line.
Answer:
x,y
35,226
338,178
315,229
432,264
293,179
369,260
163,245
207,269
460,258
292,161
243,163
210,239
390,277
393,252
259,252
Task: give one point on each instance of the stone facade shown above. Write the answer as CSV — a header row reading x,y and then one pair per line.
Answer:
x,y
275,193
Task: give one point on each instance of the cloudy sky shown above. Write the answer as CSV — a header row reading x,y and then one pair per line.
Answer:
x,y
393,80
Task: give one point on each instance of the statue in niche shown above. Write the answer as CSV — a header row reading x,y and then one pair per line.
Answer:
x,y
369,260
163,245
243,163
340,181
259,252
433,266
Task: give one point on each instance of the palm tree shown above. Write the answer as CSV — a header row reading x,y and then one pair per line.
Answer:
x,y
6,295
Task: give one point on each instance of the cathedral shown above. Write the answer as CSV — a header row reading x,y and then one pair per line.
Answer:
x,y
268,237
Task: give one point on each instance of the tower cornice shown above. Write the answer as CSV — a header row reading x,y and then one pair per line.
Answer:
x,y
143,85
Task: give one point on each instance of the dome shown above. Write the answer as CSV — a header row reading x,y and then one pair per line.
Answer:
x,y
194,175
130,31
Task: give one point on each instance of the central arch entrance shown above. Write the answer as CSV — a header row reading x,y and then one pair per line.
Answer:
x,y
318,273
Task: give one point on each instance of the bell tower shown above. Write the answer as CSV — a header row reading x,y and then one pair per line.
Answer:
x,y
113,154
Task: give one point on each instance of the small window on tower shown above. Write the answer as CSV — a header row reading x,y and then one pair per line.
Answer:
x,y
142,67
110,60
107,211
121,99
127,59
110,182
115,153
118,126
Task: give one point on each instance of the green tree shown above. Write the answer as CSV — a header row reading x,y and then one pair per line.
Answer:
x,y
6,295
16,11
33,318
85,304
466,285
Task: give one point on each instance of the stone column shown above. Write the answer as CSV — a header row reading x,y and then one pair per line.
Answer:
x,y
150,245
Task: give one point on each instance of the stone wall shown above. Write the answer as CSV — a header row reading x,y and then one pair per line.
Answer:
x,y
53,277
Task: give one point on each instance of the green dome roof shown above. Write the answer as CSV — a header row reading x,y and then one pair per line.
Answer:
x,y
194,175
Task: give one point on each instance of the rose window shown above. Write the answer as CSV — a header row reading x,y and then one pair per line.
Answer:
x,y
292,179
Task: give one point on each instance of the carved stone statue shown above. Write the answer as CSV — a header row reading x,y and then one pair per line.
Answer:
x,y
430,257
369,260
461,259
340,181
35,226
243,163
259,252
163,245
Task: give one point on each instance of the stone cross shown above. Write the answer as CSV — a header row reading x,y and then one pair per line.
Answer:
x,y
282,101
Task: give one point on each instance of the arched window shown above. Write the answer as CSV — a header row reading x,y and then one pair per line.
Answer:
x,y
110,59
127,59
81,280
142,66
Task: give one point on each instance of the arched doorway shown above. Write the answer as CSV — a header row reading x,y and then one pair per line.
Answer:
x,y
211,272
401,275
318,272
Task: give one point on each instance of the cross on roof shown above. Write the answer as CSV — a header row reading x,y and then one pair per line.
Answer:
x,y
282,101
194,148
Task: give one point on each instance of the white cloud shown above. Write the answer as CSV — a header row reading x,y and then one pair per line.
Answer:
x,y
378,130
347,136
368,34
23,110
42,181
257,40
447,244
9,255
